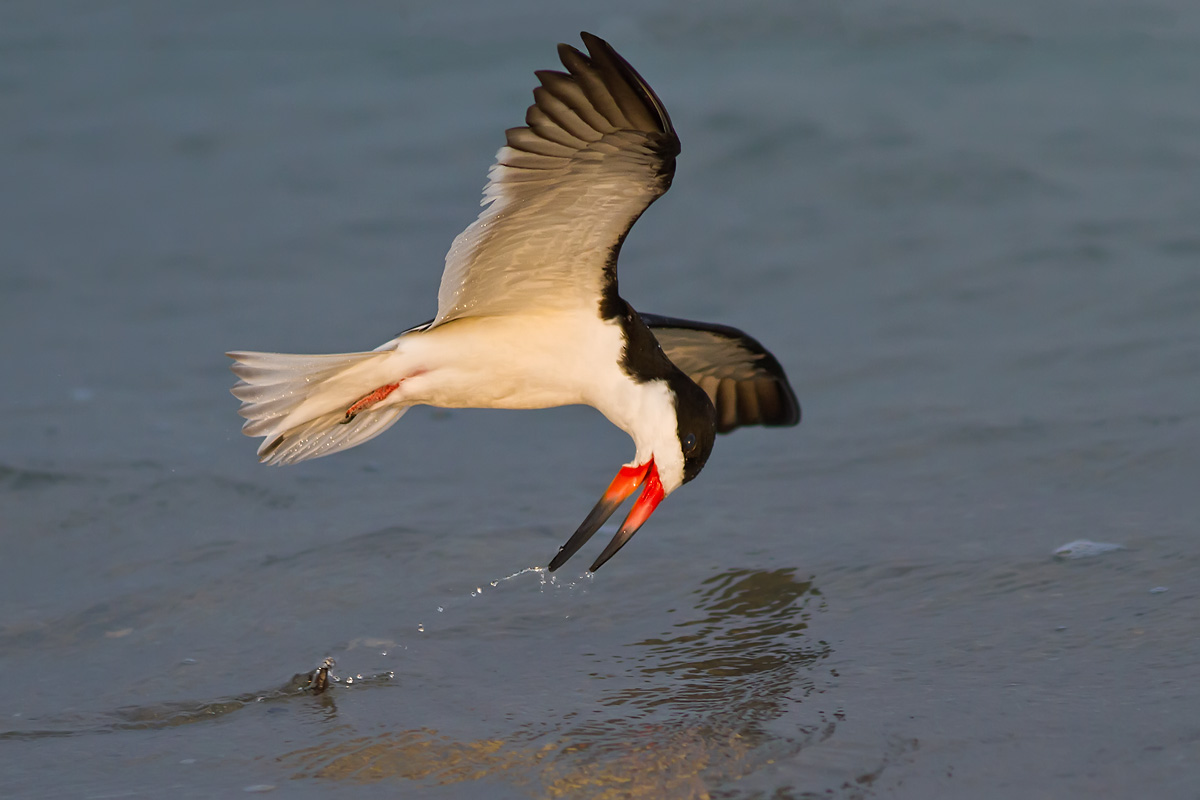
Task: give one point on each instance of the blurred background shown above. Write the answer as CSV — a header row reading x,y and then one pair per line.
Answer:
x,y
969,231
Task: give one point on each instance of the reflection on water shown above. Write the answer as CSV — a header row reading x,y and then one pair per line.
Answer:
x,y
703,695
745,652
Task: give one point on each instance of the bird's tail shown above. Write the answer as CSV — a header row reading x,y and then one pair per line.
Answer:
x,y
307,406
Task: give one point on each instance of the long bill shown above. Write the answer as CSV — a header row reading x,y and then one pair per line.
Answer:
x,y
626,483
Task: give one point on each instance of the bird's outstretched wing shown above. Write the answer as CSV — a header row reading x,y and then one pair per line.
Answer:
x,y
744,381
596,150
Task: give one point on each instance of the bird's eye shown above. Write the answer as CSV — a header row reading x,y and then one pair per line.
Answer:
x,y
689,443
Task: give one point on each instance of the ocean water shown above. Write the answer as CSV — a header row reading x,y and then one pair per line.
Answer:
x,y
969,231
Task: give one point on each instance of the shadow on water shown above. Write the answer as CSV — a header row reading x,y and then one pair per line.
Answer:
x,y
694,709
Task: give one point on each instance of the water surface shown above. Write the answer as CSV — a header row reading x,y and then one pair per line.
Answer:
x,y
968,232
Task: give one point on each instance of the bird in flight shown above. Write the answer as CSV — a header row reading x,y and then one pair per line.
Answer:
x,y
529,316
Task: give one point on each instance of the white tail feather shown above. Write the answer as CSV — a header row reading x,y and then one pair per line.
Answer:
x,y
298,402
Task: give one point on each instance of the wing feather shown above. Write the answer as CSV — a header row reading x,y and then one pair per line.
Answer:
x,y
745,382
565,117
597,149
599,97
525,140
571,94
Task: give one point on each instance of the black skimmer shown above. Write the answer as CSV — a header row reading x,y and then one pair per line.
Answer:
x,y
529,315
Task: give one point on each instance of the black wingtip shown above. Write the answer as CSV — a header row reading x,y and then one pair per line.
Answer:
x,y
645,104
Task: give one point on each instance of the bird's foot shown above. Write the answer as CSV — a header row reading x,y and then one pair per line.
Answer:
x,y
368,400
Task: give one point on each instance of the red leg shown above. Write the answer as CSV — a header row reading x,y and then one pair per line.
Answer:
x,y
369,400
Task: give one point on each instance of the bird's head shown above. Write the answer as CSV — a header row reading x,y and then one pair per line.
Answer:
x,y
674,434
